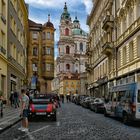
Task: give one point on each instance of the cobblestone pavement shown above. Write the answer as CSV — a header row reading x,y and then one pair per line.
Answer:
x,y
75,123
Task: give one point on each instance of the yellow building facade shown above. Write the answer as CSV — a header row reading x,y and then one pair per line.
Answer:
x,y
69,86
41,56
3,47
13,43
113,50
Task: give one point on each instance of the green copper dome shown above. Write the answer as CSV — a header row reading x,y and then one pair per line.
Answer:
x,y
76,20
78,31
65,14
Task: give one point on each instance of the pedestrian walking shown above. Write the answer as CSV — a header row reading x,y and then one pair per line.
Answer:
x,y
58,100
11,98
16,99
24,111
1,106
62,98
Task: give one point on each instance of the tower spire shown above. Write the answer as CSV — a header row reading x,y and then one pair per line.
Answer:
x,y
48,17
65,8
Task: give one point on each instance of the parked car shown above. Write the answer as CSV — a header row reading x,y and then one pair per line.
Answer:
x,y
97,105
124,102
42,105
86,102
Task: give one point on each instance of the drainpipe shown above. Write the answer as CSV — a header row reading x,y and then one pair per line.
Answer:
x,y
116,40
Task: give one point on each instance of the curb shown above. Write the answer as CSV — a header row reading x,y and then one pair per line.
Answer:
x,y
9,126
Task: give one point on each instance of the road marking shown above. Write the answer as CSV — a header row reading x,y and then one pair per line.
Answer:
x,y
58,124
29,134
39,129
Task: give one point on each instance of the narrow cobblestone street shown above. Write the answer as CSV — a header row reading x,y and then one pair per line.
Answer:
x,y
75,123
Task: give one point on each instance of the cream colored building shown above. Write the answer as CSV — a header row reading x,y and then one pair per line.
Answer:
x,y
114,44
17,44
3,47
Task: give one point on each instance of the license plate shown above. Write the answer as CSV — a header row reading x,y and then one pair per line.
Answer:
x,y
41,113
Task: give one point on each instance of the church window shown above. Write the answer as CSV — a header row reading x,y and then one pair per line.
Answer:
x,y
67,31
81,47
67,50
67,66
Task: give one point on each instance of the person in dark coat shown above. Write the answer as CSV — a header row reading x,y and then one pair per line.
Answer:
x,y
12,98
16,99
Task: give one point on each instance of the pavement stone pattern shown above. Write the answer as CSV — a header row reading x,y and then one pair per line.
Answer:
x,y
10,117
75,123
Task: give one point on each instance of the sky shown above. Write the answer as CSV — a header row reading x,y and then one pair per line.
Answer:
x,y
39,10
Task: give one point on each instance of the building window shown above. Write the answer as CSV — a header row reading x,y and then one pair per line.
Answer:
x,y
43,35
48,67
48,51
52,35
124,55
35,51
119,56
34,66
138,48
3,83
3,12
3,39
67,50
48,35
81,47
67,66
66,31
131,51
34,35
43,67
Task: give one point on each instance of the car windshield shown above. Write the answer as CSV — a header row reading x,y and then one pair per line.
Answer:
x,y
138,97
41,98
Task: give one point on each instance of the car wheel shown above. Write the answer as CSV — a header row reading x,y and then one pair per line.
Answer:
x,y
54,117
105,113
125,119
96,110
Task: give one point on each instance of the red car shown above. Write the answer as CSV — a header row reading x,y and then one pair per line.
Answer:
x,y
42,105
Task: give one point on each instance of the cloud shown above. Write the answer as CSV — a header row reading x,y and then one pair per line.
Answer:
x,y
39,10
88,4
51,3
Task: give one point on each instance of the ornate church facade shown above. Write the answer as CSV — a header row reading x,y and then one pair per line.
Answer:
x,y
71,58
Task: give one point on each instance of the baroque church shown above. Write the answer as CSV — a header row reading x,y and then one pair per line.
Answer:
x,y
72,57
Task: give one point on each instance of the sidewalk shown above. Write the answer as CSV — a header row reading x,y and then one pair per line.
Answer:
x,y
10,117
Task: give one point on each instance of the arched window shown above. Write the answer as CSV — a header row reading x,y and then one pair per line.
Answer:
x,y
81,47
67,50
67,31
67,66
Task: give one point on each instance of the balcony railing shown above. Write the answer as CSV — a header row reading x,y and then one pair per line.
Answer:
x,y
129,32
108,22
107,48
